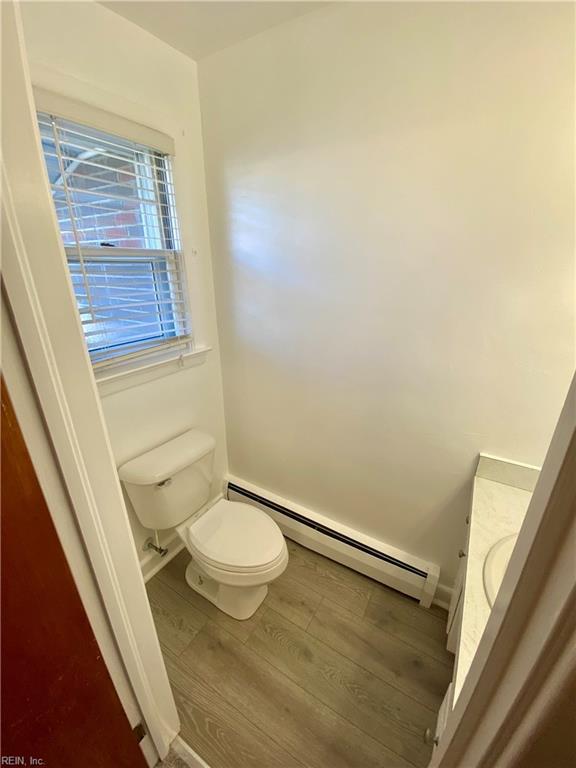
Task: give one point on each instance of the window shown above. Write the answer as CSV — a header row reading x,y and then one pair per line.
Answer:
x,y
114,201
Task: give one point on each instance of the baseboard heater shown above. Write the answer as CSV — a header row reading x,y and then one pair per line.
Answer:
x,y
406,573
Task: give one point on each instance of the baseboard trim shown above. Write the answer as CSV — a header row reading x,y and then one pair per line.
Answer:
x,y
149,751
372,557
443,596
185,751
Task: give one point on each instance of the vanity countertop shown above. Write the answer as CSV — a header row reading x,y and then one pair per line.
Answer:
x,y
497,510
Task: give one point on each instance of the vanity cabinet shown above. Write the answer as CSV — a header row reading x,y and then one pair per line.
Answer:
x,y
453,626
501,493
443,713
456,610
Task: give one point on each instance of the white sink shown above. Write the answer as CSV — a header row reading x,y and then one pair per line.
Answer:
x,y
495,565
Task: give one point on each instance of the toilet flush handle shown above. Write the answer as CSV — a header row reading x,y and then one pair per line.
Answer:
x,y
164,483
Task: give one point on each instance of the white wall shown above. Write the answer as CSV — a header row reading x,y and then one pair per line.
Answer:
x,y
87,52
391,203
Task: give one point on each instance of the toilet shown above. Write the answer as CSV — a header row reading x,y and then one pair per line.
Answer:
x,y
236,549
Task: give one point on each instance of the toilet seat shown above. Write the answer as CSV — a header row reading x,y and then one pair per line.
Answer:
x,y
236,538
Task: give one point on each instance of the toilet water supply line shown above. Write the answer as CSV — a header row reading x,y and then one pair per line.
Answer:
x,y
155,545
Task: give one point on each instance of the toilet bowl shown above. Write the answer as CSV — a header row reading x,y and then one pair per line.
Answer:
x,y
236,549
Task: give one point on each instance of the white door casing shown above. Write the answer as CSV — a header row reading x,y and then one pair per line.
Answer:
x,y
35,276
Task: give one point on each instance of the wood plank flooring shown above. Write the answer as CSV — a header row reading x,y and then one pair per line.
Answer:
x,y
333,671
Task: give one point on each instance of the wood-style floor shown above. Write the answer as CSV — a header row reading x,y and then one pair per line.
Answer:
x,y
333,671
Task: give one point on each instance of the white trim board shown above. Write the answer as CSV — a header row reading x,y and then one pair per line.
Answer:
x,y
37,438
443,596
156,365
86,114
44,311
68,445
420,586
507,472
185,751
149,751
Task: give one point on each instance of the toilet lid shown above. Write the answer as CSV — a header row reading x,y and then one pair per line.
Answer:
x,y
235,535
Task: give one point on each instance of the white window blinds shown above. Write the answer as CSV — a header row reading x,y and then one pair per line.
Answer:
x,y
114,201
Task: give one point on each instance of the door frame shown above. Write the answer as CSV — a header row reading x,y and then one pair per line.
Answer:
x,y
44,312
515,674
527,654
45,679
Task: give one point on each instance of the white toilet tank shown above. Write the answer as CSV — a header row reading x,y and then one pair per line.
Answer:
x,y
172,481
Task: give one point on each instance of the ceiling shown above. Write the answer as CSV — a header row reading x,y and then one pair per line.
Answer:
x,y
201,28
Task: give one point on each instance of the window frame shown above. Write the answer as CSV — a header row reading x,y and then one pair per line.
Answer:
x,y
133,256
160,349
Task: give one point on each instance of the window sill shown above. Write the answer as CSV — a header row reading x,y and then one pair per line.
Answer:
x,y
154,366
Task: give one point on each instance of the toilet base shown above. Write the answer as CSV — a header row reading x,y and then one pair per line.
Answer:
x,y
239,602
